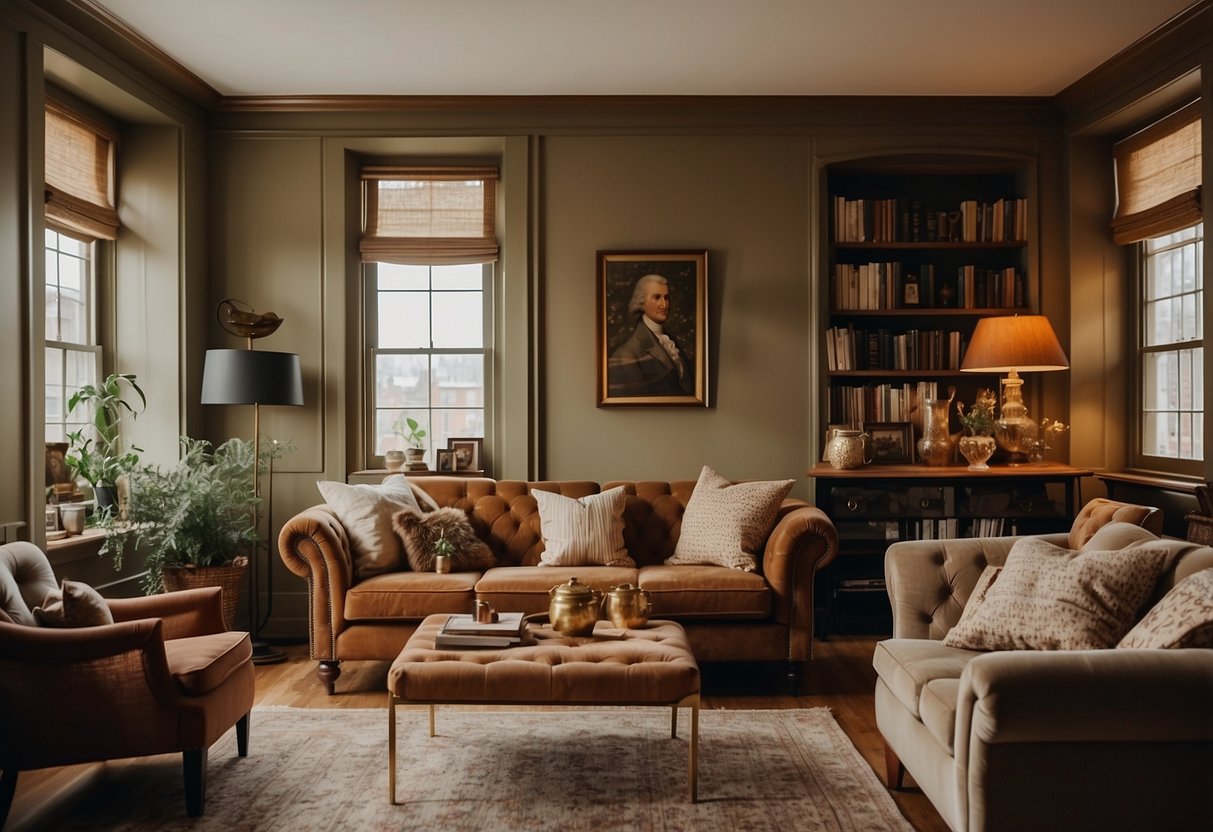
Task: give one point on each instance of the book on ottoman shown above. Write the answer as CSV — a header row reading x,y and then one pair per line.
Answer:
x,y
461,630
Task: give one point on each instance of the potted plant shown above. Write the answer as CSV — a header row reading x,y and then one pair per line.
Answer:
x,y
978,445
194,522
415,452
99,459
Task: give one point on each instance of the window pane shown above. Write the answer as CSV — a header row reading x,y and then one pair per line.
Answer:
x,y
458,319
467,276
404,321
458,380
401,381
393,276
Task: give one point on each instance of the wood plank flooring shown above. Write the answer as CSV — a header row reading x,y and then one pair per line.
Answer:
x,y
840,678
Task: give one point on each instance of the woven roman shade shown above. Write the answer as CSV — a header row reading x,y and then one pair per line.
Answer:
x,y
429,216
1158,178
79,175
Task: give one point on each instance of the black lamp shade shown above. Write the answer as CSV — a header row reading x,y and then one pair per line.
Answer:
x,y
251,377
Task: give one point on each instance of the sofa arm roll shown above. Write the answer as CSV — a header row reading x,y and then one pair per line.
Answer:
x,y
802,542
313,544
1041,696
929,581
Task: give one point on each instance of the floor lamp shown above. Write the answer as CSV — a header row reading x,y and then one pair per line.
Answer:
x,y
256,377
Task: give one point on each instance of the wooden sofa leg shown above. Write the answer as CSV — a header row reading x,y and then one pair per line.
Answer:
x,y
242,735
795,670
8,788
193,762
894,771
328,673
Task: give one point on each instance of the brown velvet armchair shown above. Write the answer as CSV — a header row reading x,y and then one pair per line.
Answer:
x,y
164,677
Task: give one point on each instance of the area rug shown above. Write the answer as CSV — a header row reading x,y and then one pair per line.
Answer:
x,y
565,769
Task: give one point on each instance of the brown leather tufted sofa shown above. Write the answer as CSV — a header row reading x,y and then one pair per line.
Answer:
x,y
729,615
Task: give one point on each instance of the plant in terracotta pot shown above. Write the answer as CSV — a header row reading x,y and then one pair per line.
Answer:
x,y
412,433
99,458
193,522
978,445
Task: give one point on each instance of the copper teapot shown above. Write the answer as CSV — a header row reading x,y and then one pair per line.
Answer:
x,y
573,608
628,606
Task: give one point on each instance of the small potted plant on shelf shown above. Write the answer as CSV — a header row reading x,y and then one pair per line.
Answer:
x,y
978,445
412,433
99,459
194,523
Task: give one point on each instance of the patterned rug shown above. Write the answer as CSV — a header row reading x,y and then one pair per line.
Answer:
x,y
568,769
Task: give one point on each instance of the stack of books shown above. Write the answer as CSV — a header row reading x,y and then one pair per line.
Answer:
x,y
464,631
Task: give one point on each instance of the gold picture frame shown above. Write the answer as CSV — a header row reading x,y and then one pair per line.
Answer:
x,y
652,328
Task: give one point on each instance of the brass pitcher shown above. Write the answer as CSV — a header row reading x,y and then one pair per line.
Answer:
x,y
628,606
573,608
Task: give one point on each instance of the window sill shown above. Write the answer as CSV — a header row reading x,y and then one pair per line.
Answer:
x,y
1148,480
76,547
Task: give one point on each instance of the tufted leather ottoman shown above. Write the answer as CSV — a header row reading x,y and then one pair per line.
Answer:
x,y
651,666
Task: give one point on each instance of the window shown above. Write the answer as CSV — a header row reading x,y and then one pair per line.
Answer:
x,y
1172,347
80,213
428,253
428,357
1158,185
73,356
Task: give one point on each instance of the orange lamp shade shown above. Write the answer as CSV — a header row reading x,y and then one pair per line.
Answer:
x,y
1025,343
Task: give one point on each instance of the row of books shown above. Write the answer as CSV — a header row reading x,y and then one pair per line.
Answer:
x,y
951,528
848,348
893,285
464,631
901,220
856,405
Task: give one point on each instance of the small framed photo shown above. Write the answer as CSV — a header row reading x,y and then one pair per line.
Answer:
x,y
467,453
892,442
445,461
910,292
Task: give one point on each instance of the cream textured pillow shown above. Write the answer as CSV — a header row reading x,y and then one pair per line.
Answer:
x,y
73,605
978,597
726,524
366,513
1050,598
584,532
1183,618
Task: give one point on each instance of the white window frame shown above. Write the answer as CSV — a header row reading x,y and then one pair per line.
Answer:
x,y
371,350
57,427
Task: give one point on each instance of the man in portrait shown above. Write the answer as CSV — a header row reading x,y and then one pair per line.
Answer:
x,y
650,362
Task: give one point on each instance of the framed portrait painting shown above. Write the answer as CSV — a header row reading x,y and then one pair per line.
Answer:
x,y
466,453
652,328
892,442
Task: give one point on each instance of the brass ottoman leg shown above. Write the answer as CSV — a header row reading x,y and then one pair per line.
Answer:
x,y
391,748
431,720
694,773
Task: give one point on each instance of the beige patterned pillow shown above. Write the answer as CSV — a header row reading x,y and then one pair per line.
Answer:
x,y
726,524
1050,598
366,513
1183,618
978,597
583,532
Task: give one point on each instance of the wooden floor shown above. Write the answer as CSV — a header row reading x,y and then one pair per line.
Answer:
x,y
840,678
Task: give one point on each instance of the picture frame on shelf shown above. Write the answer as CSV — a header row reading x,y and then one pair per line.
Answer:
x,y
445,461
466,452
892,442
652,327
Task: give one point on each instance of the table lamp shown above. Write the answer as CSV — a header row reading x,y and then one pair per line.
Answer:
x,y
248,376
1009,345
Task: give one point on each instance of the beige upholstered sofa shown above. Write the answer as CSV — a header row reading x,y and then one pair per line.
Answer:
x,y
729,614
1042,739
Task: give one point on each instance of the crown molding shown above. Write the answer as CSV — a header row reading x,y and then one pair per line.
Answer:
x,y
99,25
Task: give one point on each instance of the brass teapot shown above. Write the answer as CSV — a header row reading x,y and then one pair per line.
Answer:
x,y
628,606
573,608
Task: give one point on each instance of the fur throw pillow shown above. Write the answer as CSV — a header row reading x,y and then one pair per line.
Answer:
x,y
420,531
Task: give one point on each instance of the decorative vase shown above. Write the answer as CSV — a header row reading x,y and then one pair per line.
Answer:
x,y
935,447
393,460
978,450
848,449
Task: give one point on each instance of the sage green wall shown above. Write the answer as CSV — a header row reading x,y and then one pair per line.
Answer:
x,y
744,199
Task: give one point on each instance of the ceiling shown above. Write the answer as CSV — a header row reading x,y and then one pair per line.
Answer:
x,y
642,47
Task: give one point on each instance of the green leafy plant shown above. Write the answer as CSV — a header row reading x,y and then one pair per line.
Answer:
x,y
979,419
443,546
199,512
413,436
99,459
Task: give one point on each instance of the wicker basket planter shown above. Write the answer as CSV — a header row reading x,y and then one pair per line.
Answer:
x,y
230,579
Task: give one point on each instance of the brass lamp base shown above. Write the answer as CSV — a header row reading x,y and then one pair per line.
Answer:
x,y
264,654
